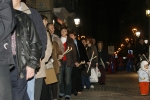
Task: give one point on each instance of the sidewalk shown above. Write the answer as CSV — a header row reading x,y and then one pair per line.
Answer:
x,y
119,86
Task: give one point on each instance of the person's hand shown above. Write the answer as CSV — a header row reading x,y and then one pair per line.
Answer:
x,y
88,63
143,78
96,64
108,63
60,57
29,72
77,64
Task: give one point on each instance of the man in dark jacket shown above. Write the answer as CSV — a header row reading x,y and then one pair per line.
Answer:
x,y
40,28
26,49
141,49
102,62
7,23
76,73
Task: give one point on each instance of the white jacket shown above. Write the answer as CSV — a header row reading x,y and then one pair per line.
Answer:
x,y
143,75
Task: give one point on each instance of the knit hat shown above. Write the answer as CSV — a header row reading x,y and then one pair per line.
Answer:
x,y
143,63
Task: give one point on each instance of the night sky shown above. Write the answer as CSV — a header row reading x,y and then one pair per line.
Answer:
x,y
111,21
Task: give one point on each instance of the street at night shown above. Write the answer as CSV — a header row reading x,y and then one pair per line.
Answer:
x,y
119,86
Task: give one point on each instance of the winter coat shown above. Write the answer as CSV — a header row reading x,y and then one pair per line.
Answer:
x,y
42,72
28,44
143,75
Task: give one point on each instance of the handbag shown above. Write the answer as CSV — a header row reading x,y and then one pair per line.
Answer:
x,y
50,76
93,77
98,72
50,73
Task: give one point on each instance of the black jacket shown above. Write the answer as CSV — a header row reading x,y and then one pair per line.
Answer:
x,y
104,56
28,44
142,49
82,52
7,23
41,30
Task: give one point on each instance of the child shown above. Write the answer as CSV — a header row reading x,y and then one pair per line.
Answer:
x,y
143,78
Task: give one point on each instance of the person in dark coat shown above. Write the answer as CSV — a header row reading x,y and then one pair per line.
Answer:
x,y
141,49
41,30
76,72
7,24
26,49
102,62
90,48
68,61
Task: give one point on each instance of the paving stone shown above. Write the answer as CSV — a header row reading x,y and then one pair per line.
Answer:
x,y
119,86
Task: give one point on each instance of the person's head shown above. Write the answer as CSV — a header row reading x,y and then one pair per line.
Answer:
x,y
141,41
64,31
100,45
50,28
72,34
144,65
44,18
89,41
16,4
94,41
84,42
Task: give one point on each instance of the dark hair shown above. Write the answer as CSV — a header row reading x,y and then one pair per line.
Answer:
x,y
48,24
73,32
90,40
64,27
44,17
100,43
83,39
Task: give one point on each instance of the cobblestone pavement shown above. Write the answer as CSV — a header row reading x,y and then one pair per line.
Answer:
x,y
119,86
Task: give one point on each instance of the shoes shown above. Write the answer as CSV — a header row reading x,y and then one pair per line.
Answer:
x,y
60,97
101,83
67,98
92,86
144,94
76,93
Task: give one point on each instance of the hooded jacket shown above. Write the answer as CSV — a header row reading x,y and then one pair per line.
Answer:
x,y
143,73
28,44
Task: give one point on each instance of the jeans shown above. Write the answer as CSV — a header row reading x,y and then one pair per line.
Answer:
x,y
129,66
19,86
30,88
86,81
38,88
5,84
65,80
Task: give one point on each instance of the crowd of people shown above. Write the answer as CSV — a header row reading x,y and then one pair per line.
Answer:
x,y
37,64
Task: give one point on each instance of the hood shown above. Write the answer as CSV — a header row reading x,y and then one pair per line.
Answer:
x,y
143,63
25,8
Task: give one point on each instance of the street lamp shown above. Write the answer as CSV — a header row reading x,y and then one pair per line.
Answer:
x,y
134,30
145,41
77,22
127,40
137,34
148,12
122,45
